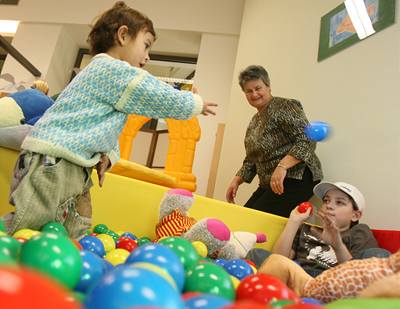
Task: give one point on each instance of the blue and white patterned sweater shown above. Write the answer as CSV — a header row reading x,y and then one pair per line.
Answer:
x,y
90,113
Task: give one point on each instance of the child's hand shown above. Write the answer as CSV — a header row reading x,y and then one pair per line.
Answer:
x,y
330,232
102,167
207,110
298,217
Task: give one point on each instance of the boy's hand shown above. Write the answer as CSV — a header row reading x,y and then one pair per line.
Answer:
x,y
102,166
298,217
207,108
330,232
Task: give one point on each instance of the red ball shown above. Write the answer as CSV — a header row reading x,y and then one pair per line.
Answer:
x,y
247,304
24,288
77,244
127,243
303,207
188,295
264,288
250,263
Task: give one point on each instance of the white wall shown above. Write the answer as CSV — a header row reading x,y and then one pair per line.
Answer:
x,y
356,91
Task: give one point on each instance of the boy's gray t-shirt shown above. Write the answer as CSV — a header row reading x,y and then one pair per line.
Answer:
x,y
315,255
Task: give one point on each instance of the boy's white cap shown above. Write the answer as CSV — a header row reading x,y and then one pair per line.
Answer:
x,y
323,187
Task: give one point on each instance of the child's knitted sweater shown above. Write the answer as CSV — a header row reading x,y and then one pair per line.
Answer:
x,y
89,114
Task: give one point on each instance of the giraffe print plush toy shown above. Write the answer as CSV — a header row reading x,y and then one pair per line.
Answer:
x,y
351,278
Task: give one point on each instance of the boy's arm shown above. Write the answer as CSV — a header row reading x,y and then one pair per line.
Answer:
x,y
284,243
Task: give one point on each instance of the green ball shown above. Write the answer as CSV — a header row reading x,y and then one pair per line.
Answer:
x,y
56,228
114,235
143,240
365,303
54,255
100,229
184,249
10,246
2,227
210,279
279,304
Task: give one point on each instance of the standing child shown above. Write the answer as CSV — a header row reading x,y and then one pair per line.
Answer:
x,y
340,239
81,130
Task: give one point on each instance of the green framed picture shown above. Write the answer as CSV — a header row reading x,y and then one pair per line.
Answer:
x,y
337,31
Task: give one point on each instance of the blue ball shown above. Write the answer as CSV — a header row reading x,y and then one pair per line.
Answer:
x,y
313,301
93,268
129,286
317,131
238,268
93,244
161,256
130,235
206,301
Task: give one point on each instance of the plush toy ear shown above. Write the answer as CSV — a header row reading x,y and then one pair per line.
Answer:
x,y
174,199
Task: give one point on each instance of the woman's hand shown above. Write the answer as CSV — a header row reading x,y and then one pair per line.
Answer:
x,y
232,189
330,233
102,166
277,178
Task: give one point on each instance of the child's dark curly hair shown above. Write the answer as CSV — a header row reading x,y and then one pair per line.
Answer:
x,y
103,34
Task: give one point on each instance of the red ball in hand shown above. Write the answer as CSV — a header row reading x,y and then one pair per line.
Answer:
x,y
303,207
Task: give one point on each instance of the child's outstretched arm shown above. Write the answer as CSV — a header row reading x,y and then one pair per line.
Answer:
x,y
284,243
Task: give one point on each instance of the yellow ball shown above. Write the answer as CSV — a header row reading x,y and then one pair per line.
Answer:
x,y
25,233
156,269
117,256
201,248
254,269
108,242
235,281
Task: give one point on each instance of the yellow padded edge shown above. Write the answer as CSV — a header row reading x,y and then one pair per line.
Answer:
x,y
133,205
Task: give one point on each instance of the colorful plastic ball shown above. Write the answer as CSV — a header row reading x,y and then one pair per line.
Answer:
x,y
108,241
77,244
130,235
211,279
93,268
100,229
280,304
247,304
93,244
205,301
235,282
201,248
25,288
187,295
114,235
238,268
303,207
163,257
220,262
117,256
127,243
55,227
264,288
317,131
53,255
184,249
10,246
143,240
308,300
158,270
25,233
128,287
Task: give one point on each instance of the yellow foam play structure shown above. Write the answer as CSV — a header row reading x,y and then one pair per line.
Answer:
x,y
129,204
183,136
